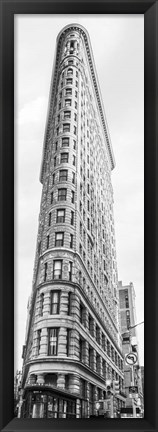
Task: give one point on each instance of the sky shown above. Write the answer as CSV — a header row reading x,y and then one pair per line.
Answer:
x,y
118,47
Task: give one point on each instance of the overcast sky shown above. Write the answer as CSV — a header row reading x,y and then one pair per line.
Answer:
x,y
118,47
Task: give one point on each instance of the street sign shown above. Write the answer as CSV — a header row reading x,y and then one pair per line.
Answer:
x,y
133,390
131,358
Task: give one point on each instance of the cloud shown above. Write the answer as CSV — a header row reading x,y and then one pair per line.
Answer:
x,y
33,111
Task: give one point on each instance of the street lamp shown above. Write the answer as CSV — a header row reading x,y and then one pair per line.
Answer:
x,y
132,366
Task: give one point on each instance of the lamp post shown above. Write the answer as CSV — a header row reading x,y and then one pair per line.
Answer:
x,y
132,366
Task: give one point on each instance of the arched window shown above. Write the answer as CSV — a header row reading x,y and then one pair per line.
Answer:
x,y
70,71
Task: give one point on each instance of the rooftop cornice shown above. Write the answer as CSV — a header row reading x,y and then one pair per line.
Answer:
x,y
85,35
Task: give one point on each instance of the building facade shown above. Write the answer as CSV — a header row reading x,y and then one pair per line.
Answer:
x,y
128,322
73,342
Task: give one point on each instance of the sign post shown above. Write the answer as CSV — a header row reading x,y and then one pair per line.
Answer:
x,y
131,359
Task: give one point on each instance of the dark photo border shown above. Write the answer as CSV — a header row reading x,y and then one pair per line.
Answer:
x,y
7,11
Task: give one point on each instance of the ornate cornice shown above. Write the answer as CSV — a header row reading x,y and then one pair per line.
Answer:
x,y
83,32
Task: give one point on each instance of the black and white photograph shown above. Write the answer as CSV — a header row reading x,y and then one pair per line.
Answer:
x,y
79,216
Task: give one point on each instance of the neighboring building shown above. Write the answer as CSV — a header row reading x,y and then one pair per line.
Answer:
x,y
73,342
129,339
17,388
142,378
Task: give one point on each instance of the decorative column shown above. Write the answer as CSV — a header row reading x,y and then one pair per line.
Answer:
x,y
32,379
104,369
87,395
74,384
99,336
43,343
75,307
85,356
94,400
78,408
38,306
46,304
62,342
94,360
35,344
75,344
64,303
85,317
61,381
40,379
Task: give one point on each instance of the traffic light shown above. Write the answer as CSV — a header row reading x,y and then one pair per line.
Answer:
x,y
108,388
116,387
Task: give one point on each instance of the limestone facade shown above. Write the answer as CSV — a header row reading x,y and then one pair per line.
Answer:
x,y
73,335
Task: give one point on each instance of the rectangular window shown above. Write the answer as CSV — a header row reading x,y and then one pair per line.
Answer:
x,y
81,345
126,301
71,241
74,144
60,216
72,217
55,161
72,44
53,179
72,197
75,93
75,129
73,160
70,296
64,158
70,270
68,91
56,146
52,341
45,271
54,302
73,178
63,175
68,81
67,102
65,142
88,224
67,115
41,304
75,105
68,341
47,241
49,219
38,341
75,116
59,105
57,269
66,127
59,239
62,194
57,130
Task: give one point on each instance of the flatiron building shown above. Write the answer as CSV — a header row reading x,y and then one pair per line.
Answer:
x,y
73,343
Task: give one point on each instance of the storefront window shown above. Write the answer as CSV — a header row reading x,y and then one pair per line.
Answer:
x,y
38,405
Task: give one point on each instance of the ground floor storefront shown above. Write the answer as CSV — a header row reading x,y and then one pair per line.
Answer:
x,y
50,403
